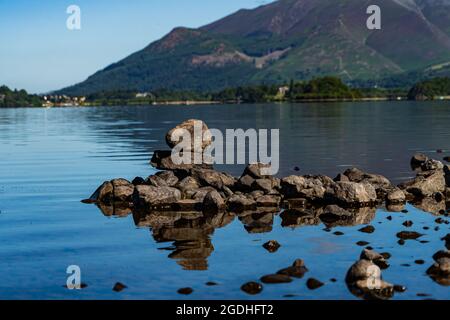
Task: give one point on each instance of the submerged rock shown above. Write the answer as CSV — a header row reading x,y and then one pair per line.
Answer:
x,y
297,270
313,284
276,278
252,288
409,235
272,246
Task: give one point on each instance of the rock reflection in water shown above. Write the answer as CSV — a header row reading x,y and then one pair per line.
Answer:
x,y
330,216
190,234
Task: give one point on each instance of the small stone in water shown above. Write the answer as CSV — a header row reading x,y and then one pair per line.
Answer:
x,y
389,218
271,246
276,278
119,287
362,243
408,223
252,287
338,233
409,235
419,261
386,255
405,211
313,284
401,242
211,283
399,288
367,229
185,291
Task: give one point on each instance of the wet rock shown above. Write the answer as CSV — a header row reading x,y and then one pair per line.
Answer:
x,y
151,197
427,184
104,193
341,178
441,254
122,190
138,181
447,241
162,160
381,184
168,177
313,284
245,183
213,178
352,193
213,203
264,185
118,287
308,187
362,243
271,246
440,271
200,193
240,203
430,205
447,159
276,278
419,261
399,288
185,291
375,257
199,133
257,170
211,284
396,196
252,288
268,201
418,160
408,223
338,233
364,280
367,229
409,235
187,184
297,270
156,181
432,165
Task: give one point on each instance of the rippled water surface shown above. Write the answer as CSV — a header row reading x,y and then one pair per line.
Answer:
x,y
50,159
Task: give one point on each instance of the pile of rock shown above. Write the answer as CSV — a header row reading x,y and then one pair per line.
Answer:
x,y
198,187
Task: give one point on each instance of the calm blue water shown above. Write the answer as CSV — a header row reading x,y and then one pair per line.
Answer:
x,y
50,159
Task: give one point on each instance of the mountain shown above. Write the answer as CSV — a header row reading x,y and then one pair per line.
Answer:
x,y
287,39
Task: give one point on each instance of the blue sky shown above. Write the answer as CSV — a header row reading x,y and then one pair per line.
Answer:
x,y
38,53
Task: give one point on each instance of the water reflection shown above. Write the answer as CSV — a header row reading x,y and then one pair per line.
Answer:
x,y
190,234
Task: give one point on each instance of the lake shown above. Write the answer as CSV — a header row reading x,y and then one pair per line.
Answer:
x,y
50,159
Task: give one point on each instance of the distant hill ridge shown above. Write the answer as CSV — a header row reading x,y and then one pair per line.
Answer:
x,y
288,39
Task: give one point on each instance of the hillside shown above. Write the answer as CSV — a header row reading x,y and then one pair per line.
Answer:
x,y
288,39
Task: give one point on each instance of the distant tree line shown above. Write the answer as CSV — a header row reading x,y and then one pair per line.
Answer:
x,y
320,89
430,89
18,98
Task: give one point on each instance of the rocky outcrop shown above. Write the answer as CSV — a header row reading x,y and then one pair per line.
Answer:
x,y
349,199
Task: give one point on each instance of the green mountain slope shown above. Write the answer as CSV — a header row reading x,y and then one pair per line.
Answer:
x,y
287,39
